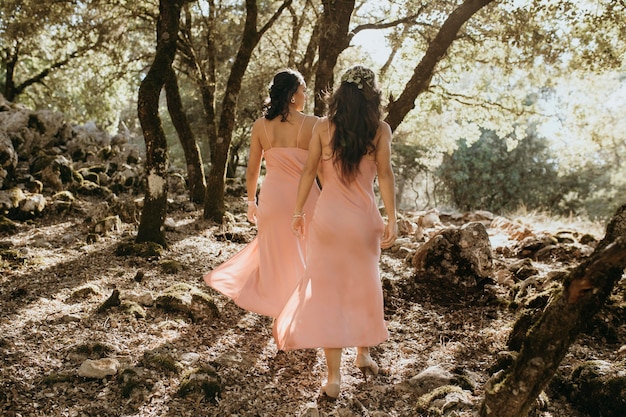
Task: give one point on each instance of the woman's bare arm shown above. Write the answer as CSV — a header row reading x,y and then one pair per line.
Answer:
x,y
386,184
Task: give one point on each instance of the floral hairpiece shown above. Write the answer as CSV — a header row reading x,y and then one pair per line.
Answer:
x,y
358,75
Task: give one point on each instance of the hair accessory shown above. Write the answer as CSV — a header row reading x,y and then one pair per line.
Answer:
x,y
359,75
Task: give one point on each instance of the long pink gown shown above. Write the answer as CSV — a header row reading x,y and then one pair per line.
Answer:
x,y
262,276
339,303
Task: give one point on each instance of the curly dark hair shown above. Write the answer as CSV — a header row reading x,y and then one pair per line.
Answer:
x,y
355,110
283,87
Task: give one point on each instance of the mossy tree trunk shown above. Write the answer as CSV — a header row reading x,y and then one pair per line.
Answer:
x,y
214,208
195,171
334,39
155,202
585,290
308,64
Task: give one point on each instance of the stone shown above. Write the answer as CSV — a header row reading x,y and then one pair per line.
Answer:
x,y
98,368
430,378
8,158
189,358
144,298
188,300
597,387
458,261
108,224
33,204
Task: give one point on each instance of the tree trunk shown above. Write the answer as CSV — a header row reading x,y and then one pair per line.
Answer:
x,y
155,203
195,171
12,91
585,290
419,82
214,202
233,160
334,39
306,66
9,74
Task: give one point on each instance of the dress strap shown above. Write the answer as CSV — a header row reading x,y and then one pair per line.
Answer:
x,y
269,142
328,128
300,130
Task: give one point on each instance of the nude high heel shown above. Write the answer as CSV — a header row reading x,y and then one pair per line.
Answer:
x,y
333,362
331,390
367,365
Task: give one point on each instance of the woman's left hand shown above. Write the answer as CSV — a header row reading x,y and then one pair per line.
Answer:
x,y
252,208
297,226
390,235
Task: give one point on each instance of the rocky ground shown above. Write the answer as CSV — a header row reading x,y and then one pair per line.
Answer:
x,y
56,278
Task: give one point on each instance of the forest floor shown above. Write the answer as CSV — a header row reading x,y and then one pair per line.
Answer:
x,y
51,291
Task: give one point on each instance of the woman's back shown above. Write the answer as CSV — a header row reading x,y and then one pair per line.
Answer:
x,y
262,276
295,132
342,263
339,301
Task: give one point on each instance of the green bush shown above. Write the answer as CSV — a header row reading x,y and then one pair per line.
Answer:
x,y
489,176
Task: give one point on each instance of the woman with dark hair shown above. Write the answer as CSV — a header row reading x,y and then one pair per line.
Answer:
x,y
339,302
263,275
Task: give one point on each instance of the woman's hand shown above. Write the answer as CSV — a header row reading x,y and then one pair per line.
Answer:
x,y
297,225
390,235
252,207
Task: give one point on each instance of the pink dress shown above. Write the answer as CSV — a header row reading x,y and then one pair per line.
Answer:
x,y
339,303
262,276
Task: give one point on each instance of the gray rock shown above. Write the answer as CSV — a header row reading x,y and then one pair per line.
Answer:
x,y
458,262
144,298
462,253
8,158
598,387
98,368
10,199
108,224
189,358
188,300
430,378
32,205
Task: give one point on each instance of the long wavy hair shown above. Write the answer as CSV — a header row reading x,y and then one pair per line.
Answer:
x,y
355,110
282,88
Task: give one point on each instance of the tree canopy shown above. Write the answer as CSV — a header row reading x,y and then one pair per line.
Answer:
x,y
450,70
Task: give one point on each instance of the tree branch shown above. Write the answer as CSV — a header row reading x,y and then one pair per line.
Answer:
x,y
473,102
423,72
585,290
379,25
275,16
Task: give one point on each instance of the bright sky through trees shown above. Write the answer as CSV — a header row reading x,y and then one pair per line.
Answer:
x,y
577,114
374,44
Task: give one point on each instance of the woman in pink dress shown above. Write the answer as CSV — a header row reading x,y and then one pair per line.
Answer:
x,y
262,276
339,302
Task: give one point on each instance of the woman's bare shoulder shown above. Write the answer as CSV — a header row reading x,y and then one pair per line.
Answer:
x,y
320,123
258,122
310,120
384,128
383,133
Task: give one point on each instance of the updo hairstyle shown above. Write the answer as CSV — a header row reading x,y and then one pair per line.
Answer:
x,y
284,85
